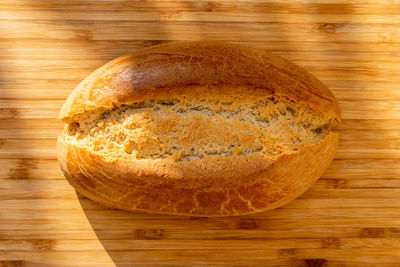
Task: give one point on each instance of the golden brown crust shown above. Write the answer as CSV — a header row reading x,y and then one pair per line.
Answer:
x,y
210,186
266,184
160,70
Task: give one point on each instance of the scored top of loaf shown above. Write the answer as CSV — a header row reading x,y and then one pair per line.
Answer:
x,y
164,69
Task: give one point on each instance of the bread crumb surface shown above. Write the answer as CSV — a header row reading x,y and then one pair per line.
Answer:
x,y
192,129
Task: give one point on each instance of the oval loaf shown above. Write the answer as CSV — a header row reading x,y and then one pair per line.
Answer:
x,y
199,129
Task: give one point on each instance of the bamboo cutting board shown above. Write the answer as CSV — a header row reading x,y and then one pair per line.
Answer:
x,y
351,216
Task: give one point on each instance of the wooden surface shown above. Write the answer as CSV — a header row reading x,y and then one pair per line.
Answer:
x,y
351,216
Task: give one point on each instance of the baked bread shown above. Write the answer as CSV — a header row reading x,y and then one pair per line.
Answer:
x,y
199,129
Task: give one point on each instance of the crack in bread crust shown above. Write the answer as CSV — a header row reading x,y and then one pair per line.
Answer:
x,y
181,129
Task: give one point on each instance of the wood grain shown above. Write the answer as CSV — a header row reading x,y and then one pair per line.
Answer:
x,y
351,216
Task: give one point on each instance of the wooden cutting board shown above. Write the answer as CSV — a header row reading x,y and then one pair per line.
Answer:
x,y
351,216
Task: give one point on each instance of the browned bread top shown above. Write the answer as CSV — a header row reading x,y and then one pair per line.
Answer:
x,y
164,69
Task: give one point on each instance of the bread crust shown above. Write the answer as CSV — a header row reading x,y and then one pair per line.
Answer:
x,y
159,70
212,186
158,188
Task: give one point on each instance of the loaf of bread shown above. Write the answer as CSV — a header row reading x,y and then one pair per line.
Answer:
x,y
199,129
